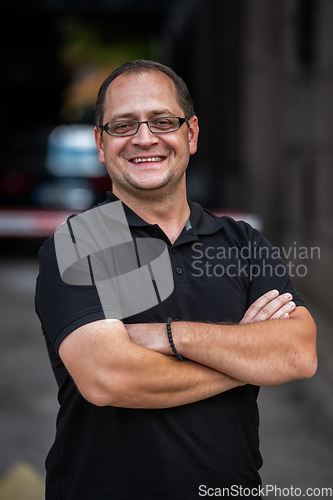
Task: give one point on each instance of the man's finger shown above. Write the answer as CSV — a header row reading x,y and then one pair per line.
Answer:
x,y
258,305
270,305
274,307
286,309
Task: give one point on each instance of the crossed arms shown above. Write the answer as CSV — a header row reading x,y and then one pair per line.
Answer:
x,y
131,366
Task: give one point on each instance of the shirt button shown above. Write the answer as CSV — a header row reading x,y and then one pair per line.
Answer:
x,y
173,250
179,270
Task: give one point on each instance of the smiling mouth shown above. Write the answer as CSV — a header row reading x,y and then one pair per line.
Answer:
x,y
154,159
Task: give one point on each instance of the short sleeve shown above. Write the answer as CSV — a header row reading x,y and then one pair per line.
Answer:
x,y
63,307
267,270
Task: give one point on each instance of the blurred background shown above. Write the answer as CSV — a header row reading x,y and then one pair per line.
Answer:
x,y
261,76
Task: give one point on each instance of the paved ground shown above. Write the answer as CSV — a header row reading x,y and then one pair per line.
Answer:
x,y
28,403
296,418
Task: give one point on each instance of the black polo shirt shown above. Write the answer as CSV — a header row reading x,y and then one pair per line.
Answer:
x,y
220,267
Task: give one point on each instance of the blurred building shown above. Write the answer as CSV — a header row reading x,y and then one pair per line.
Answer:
x,y
287,153
261,76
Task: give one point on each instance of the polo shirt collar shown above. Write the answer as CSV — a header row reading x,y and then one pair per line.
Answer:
x,y
202,221
132,218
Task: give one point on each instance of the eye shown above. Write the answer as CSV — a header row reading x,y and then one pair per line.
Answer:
x,y
122,126
163,123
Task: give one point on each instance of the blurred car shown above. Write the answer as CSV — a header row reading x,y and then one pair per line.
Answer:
x,y
53,179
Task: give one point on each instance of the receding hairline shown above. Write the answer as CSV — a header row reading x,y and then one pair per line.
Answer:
x,y
140,71
139,67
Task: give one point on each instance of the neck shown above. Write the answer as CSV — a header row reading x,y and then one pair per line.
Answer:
x,y
170,212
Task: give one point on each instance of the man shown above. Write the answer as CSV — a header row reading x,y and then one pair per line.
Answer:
x,y
135,421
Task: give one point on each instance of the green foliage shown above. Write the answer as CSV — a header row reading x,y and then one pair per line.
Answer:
x,y
84,43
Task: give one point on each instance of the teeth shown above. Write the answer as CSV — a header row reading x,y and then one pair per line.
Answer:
x,y
143,160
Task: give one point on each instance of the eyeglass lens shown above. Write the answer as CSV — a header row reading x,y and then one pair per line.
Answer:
x,y
128,127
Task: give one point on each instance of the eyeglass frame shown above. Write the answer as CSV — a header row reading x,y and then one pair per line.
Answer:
x,y
181,121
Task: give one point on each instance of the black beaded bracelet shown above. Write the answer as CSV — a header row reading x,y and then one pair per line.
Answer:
x,y
176,353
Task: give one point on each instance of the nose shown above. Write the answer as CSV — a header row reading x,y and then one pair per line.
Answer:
x,y
144,137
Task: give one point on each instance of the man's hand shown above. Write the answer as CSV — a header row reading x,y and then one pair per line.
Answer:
x,y
268,306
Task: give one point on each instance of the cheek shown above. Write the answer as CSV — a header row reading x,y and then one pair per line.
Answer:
x,y
180,147
183,150
111,153
116,147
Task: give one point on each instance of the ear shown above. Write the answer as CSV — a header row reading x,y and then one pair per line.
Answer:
x,y
193,132
99,144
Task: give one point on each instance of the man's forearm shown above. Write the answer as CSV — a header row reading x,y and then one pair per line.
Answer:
x,y
110,370
171,383
261,353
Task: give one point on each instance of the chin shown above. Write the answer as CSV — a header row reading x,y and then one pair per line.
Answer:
x,y
150,185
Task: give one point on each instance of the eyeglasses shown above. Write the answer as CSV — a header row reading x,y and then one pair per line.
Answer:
x,y
160,125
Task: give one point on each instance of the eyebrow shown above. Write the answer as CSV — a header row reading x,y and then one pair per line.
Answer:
x,y
124,116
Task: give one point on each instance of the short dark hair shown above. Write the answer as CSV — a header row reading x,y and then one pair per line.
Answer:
x,y
139,66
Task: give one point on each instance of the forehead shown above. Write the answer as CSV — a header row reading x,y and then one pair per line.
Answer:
x,y
141,93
